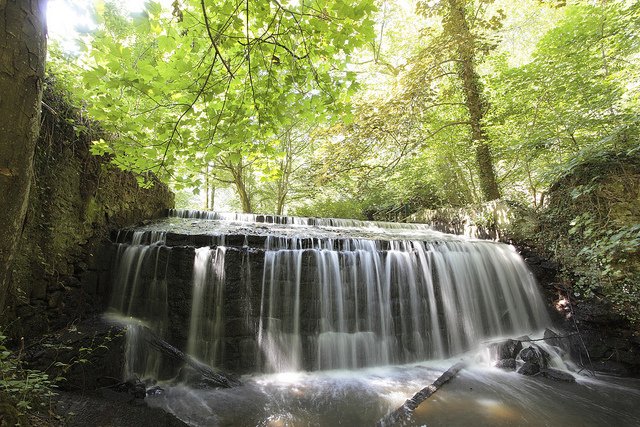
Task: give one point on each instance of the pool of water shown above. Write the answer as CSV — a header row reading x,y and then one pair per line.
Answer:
x,y
477,396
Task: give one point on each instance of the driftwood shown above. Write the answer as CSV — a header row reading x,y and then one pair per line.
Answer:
x,y
402,414
216,378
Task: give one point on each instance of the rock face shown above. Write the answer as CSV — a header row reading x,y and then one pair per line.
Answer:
x,y
60,274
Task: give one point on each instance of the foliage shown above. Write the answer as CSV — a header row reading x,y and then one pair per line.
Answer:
x,y
319,105
573,96
593,224
26,388
213,85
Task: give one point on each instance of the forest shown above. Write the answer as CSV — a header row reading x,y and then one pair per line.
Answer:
x,y
358,109
374,110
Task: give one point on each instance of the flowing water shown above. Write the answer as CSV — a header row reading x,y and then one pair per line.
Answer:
x,y
337,322
478,396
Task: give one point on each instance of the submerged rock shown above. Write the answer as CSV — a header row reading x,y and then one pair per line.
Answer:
x,y
155,391
134,387
558,375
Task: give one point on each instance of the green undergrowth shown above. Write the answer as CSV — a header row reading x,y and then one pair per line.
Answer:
x,y
592,227
23,392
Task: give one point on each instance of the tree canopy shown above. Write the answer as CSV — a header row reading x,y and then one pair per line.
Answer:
x,y
360,108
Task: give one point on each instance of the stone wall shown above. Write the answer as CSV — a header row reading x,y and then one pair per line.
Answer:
x,y
60,272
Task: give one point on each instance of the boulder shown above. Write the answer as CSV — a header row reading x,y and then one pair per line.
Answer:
x,y
507,349
534,354
529,368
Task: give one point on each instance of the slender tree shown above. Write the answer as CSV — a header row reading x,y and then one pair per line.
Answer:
x,y
22,58
456,26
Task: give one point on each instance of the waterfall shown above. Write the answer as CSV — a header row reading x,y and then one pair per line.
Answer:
x,y
205,328
323,293
140,276
414,301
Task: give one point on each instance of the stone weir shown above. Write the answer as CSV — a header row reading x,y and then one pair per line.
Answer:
x,y
245,294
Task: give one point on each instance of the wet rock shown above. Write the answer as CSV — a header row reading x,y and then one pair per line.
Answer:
x,y
94,409
507,364
89,355
133,387
115,396
558,375
611,367
529,368
507,349
535,355
155,391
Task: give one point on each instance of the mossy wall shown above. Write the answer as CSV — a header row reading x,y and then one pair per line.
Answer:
x,y
77,199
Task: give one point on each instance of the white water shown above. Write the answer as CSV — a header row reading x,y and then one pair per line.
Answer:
x,y
415,301
205,330
342,303
292,220
132,260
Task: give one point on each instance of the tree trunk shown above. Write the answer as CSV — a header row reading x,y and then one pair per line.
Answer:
x,y
474,99
209,376
403,414
206,190
22,57
238,178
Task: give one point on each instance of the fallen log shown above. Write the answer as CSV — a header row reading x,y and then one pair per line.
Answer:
x,y
216,378
403,413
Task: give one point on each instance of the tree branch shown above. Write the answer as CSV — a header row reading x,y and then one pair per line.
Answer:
x,y
213,40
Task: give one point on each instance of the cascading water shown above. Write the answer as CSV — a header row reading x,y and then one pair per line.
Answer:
x,y
333,296
205,327
364,305
259,294
134,262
